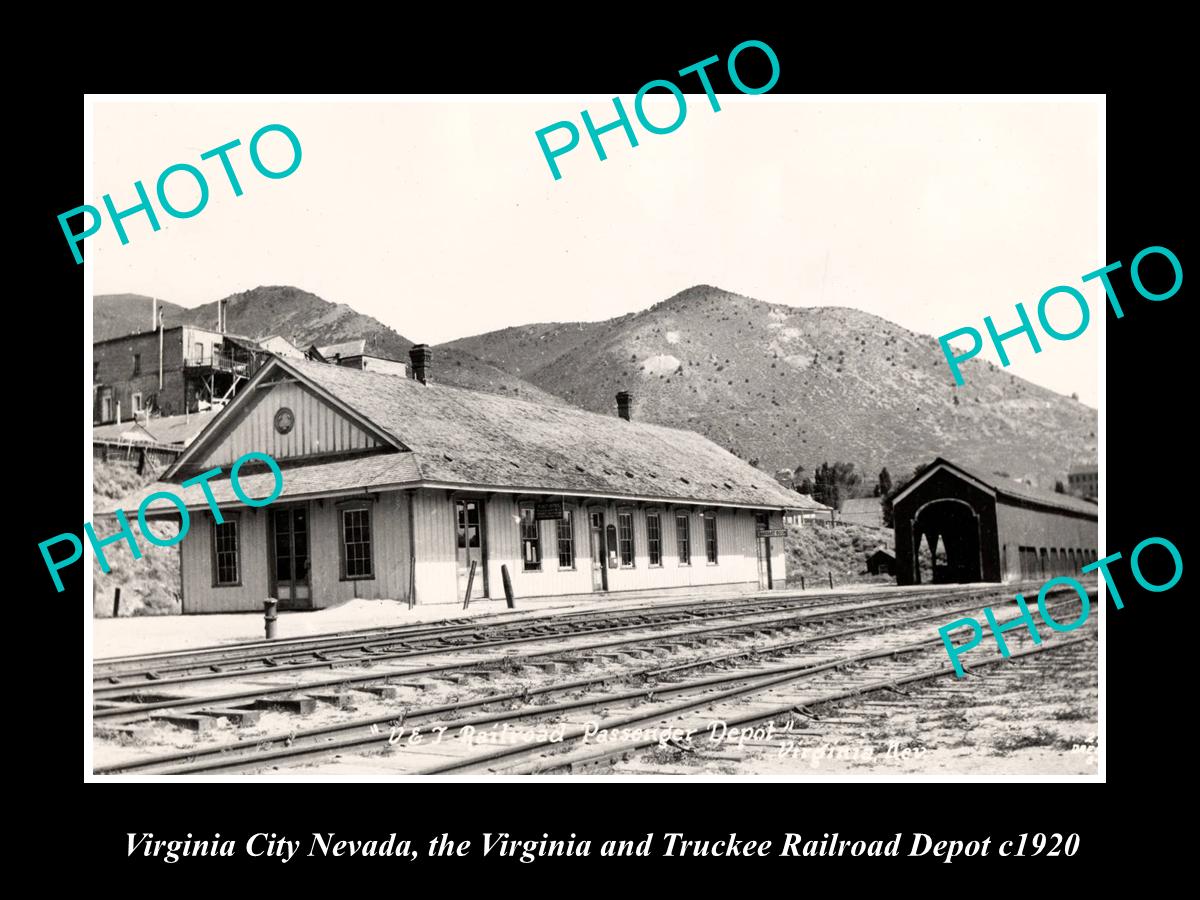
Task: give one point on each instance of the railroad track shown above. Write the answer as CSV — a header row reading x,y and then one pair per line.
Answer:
x,y
121,704
375,651
655,688
122,672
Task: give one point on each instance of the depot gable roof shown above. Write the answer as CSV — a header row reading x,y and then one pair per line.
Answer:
x,y
448,436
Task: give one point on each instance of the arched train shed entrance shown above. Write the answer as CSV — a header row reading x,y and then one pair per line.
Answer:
x,y
981,528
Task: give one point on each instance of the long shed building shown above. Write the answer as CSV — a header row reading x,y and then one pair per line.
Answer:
x,y
394,487
981,528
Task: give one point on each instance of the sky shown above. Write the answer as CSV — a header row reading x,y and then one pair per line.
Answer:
x,y
441,217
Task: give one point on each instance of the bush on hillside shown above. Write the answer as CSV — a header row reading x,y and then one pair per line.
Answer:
x,y
149,586
815,550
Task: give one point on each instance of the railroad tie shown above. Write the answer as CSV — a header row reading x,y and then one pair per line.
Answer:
x,y
238,717
301,706
196,723
338,700
382,691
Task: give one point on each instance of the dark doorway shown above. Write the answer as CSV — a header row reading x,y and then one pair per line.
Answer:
x,y
290,581
950,528
599,569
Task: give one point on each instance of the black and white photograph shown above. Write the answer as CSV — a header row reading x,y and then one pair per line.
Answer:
x,y
528,435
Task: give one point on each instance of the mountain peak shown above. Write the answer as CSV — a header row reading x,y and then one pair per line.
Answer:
x,y
794,386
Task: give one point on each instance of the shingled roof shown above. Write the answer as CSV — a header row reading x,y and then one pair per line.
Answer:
x,y
1014,490
466,437
459,437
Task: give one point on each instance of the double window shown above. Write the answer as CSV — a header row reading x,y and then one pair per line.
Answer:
x,y
710,537
226,551
654,538
625,537
683,538
566,541
357,556
531,542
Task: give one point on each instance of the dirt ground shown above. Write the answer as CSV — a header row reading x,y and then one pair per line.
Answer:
x,y
1024,717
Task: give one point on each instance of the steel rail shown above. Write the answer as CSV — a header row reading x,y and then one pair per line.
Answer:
x,y
227,653
201,760
107,691
787,674
798,617
580,758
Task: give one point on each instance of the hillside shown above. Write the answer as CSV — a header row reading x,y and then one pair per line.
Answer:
x,y
528,348
118,314
306,319
150,585
817,551
793,386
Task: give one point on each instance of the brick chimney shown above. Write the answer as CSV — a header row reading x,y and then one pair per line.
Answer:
x,y
421,357
624,405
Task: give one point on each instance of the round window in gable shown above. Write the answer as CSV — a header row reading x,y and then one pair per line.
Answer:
x,y
285,419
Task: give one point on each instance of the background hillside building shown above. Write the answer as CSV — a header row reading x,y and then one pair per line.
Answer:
x,y
355,355
881,562
170,372
1084,481
989,529
807,510
393,487
862,511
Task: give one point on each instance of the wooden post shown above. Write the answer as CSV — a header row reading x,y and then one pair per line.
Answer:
x,y
117,603
830,580
508,590
470,583
802,583
412,581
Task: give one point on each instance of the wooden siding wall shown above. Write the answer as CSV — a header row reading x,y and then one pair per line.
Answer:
x,y
778,553
195,558
437,569
389,523
319,429
1022,527
737,560
435,538
389,547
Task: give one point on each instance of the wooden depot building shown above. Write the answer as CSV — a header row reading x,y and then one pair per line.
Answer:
x,y
393,487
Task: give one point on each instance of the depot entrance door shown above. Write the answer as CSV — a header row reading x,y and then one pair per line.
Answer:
x,y
289,555
599,570
468,516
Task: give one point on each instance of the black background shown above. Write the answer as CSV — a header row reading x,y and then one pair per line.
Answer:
x,y
1148,463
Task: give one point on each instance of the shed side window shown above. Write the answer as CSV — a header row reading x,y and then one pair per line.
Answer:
x,y
654,538
357,561
625,522
683,539
137,364
710,537
226,552
566,541
531,544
